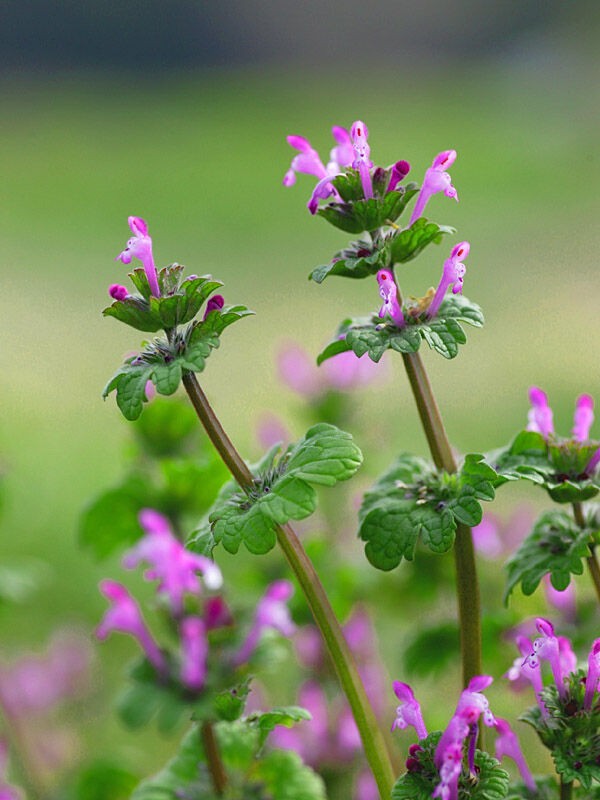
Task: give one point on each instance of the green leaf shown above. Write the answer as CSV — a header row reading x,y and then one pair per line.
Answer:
x,y
359,260
267,721
111,520
282,490
432,649
229,705
135,312
166,377
443,333
131,391
357,214
102,780
407,244
285,777
556,547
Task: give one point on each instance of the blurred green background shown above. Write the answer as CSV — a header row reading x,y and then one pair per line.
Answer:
x,y
198,150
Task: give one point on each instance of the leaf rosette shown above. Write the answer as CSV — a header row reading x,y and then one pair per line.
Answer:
x,y
413,501
283,490
443,333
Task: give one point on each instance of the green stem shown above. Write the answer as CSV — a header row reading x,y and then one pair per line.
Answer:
x,y
592,561
566,790
373,742
467,584
213,758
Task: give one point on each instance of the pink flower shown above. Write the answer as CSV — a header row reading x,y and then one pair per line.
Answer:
x,y
540,415
215,303
389,293
409,710
140,246
194,651
593,675
584,417
340,373
453,275
436,180
507,746
125,617
174,567
359,134
547,648
271,613
117,292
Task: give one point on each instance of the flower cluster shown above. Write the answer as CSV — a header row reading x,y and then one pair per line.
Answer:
x,y
177,572
460,733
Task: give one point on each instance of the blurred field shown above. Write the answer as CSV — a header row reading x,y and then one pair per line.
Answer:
x,y
202,158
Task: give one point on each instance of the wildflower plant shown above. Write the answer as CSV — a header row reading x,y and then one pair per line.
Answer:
x,y
175,512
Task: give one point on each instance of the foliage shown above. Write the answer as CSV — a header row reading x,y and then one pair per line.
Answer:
x,y
412,499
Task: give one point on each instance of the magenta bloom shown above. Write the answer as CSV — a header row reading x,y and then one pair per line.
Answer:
x,y
194,652
217,613
271,613
399,171
436,180
215,303
312,738
450,768
540,417
125,616
174,567
140,246
453,275
584,417
593,675
308,161
547,648
297,370
507,746
409,710
486,538
359,134
522,671
117,292
389,293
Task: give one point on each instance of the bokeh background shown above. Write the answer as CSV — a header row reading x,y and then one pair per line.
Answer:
x,y
178,112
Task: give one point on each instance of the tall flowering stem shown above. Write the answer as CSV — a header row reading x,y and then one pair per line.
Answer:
x,y
467,584
592,561
213,758
372,738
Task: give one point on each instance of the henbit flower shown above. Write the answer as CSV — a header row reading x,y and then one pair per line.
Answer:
x,y
125,616
388,291
215,303
568,659
117,292
296,369
563,601
450,768
359,134
593,463
140,246
540,416
547,647
583,418
436,180
365,787
271,612
523,670
308,161
452,275
217,613
592,681
194,652
507,745
311,739
271,430
409,710
486,539
174,567
348,371
399,171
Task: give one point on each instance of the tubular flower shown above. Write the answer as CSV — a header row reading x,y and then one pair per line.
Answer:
x,y
540,417
271,612
359,134
450,769
389,293
409,710
308,161
174,567
507,745
583,418
117,292
140,246
523,670
194,651
436,180
593,675
125,616
547,647
399,171
215,303
453,275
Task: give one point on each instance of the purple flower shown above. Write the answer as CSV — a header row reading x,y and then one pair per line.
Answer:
x,y
540,417
140,246
522,671
389,293
311,739
547,647
271,430
399,171
125,616
593,675
297,370
365,787
215,303
436,180
507,745
359,134
409,710
117,292
593,463
453,275
194,652
271,613
584,417
450,768
217,613
308,161
174,567
486,538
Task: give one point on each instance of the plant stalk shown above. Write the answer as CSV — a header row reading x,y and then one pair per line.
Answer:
x,y
592,560
566,790
374,744
467,584
214,762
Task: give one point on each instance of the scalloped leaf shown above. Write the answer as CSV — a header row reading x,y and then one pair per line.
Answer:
x,y
443,333
407,244
359,215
